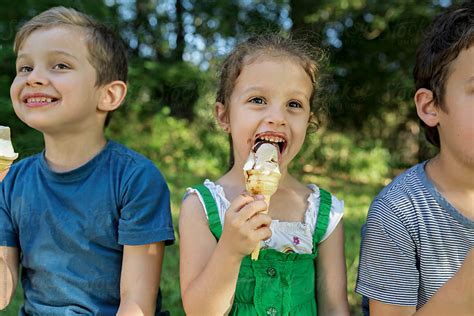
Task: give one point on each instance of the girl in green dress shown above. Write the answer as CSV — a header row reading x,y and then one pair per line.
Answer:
x,y
266,93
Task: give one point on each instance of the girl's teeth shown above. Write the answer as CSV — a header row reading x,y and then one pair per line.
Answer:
x,y
273,139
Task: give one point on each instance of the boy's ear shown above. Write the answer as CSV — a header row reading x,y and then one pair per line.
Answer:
x,y
222,116
426,108
113,94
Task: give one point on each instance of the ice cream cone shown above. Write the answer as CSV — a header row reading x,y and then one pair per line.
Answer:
x,y
5,164
7,154
259,182
266,185
262,175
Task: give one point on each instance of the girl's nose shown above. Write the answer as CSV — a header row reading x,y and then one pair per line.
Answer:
x,y
276,116
36,78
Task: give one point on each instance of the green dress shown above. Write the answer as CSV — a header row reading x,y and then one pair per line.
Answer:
x,y
277,283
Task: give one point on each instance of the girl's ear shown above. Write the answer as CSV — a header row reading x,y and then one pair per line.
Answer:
x,y
426,108
112,97
222,116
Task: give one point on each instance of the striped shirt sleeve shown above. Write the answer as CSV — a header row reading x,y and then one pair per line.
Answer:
x,y
388,264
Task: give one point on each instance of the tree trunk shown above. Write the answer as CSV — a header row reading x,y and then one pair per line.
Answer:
x,y
180,43
299,9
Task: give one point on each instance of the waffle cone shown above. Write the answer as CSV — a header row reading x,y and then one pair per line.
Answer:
x,y
256,251
5,164
265,184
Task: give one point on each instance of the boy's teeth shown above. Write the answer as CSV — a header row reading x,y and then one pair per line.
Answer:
x,y
36,100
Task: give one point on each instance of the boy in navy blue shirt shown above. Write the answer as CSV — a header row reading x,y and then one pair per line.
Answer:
x,y
87,218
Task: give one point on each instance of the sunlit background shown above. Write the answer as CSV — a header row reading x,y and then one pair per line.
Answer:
x,y
369,135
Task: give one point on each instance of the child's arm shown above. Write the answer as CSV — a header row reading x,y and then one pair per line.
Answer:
x,y
455,297
9,257
140,279
331,279
209,269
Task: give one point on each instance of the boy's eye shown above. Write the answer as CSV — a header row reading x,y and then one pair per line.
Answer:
x,y
25,69
257,100
295,104
61,67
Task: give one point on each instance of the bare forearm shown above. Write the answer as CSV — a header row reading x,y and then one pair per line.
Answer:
x,y
140,279
212,291
134,307
7,284
334,300
454,298
139,300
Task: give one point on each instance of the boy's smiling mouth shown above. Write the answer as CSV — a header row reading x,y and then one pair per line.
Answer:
x,y
38,100
278,139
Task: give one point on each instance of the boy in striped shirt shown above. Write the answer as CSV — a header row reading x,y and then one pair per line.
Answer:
x,y
417,254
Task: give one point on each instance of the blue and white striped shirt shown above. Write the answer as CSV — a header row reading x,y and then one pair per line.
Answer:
x,y
415,240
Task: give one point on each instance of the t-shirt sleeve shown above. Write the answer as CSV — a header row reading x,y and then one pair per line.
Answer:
x,y
388,266
8,235
145,216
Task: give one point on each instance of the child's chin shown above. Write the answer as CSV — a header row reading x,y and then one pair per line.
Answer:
x,y
41,125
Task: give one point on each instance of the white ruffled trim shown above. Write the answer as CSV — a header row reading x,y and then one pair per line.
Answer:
x,y
335,215
217,192
310,216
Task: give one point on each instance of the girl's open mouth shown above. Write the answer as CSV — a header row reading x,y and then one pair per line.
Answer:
x,y
276,139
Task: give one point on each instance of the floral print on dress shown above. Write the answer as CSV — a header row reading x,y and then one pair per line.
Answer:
x,y
296,240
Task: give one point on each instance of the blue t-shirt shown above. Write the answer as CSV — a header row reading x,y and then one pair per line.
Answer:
x,y
71,227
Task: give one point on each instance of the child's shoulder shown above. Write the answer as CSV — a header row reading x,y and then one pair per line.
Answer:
x,y
123,153
129,163
410,182
321,195
407,195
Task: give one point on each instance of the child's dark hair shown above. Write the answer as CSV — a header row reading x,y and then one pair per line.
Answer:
x,y
108,54
449,34
310,58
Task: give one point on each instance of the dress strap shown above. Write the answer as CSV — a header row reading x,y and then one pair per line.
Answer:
x,y
211,208
322,221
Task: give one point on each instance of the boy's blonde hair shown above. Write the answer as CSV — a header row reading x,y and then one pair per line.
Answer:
x,y
107,51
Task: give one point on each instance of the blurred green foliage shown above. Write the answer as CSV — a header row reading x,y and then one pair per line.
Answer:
x,y
175,47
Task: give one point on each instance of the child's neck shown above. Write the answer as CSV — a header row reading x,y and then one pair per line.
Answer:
x,y
69,151
453,179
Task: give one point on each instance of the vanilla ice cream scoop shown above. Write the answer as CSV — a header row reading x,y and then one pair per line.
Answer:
x,y
262,174
7,153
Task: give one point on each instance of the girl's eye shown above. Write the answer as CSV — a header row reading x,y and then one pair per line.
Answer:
x,y
257,100
25,69
295,104
61,67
